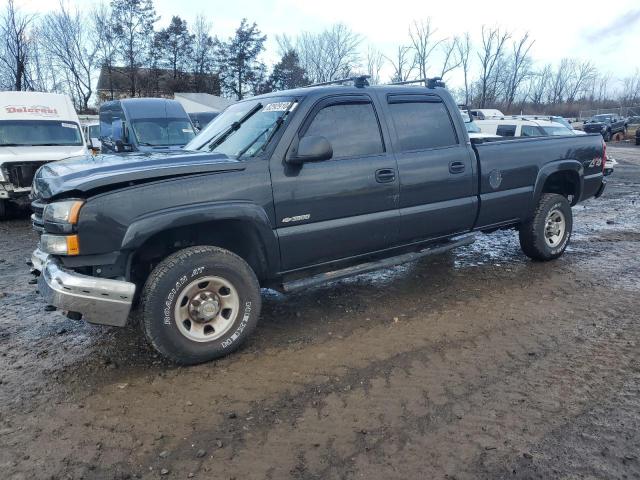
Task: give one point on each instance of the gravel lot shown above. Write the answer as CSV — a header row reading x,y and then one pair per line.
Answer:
x,y
475,364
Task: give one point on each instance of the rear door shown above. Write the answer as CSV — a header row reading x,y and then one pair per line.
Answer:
x,y
344,206
437,169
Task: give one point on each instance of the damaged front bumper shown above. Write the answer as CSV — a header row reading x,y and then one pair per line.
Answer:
x,y
97,300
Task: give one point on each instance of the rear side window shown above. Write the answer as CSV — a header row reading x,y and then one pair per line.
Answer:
x,y
531,131
351,128
422,125
506,130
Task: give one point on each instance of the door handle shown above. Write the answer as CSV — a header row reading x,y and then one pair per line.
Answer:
x,y
456,167
385,175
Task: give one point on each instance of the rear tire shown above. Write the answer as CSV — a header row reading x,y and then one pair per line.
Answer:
x,y
546,234
607,136
199,304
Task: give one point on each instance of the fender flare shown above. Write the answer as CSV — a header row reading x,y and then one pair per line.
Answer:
x,y
565,165
250,213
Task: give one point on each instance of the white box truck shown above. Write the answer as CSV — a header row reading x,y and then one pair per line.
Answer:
x,y
35,128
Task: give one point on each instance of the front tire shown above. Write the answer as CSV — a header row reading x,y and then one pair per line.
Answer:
x,y
546,234
199,304
3,209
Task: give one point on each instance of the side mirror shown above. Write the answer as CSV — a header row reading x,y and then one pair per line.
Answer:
x,y
310,149
125,133
94,144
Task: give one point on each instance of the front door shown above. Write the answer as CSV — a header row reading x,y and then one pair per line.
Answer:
x,y
341,207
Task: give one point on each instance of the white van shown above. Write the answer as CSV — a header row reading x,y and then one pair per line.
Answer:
x,y
35,128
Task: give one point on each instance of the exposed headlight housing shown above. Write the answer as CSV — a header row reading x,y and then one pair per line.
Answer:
x,y
59,244
63,212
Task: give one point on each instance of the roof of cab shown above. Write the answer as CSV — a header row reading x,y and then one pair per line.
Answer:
x,y
348,89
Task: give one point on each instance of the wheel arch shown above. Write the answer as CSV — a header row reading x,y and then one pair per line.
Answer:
x,y
240,227
565,177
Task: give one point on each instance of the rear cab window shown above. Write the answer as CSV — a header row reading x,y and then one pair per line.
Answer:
x,y
421,122
350,125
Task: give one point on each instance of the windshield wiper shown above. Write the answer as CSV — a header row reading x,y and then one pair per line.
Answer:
x,y
234,127
278,122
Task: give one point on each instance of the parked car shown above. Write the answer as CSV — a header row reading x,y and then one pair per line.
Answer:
x,y
638,136
606,124
144,125
485,113
288,190
91,132
473,130
35,128
516,126
556,119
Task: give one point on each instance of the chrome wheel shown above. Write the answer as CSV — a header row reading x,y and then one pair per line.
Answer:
x,y
206,309
554,229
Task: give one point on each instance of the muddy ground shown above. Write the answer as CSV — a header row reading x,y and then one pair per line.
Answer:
x,y
475,364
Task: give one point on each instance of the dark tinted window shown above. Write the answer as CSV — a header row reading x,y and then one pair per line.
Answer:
x,y
506,130
531,131
422,125
352,129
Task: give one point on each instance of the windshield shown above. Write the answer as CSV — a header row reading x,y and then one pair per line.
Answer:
x,y
557,131
162,132
27,133
244,129
600,118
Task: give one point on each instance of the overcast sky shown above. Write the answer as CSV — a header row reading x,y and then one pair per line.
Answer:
x,y
607,33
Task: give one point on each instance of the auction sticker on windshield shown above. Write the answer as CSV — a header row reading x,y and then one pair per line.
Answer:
x,y
68,125
277,107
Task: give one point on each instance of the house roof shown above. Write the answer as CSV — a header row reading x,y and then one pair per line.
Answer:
x,y
202,102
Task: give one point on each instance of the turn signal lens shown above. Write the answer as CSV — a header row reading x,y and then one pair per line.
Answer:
x,y
73,247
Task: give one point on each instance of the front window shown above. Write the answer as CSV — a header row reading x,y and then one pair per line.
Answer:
x,y
601,118
162,132
244,129
28,133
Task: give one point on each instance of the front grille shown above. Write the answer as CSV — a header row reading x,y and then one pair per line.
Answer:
x,y
21,174
36,217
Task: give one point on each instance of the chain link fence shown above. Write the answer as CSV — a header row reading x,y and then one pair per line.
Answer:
x,y
620,111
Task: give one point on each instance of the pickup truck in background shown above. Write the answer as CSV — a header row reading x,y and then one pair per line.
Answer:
x,y
605,124
288,190
144,125
35,128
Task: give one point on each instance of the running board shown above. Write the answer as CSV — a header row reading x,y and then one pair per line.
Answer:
x,y
321,278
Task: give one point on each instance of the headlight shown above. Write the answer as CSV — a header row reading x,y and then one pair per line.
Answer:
x,y
63,212
59,244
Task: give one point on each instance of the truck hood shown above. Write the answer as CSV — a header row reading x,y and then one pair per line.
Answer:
x,y
84,174
40,154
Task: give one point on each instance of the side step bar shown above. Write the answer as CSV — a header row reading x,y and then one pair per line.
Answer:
x,y
321,278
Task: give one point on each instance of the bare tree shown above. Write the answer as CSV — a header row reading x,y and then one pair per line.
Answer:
x,y
520,67
422,40
203,60
450,53
464,52
18,45
582,74
539,84
630,93
375,62
330,54
72,50
403,64
493,44
106,43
